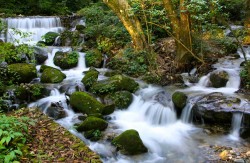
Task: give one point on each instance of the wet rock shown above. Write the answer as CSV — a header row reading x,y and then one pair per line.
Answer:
x,y
22,72
108,109
90,78
3,65
129,143
179,99
70,88
94,58
239,160
219,79
92,123
66,60
216,108
121,99
56,111
41,55
50,38
114,84
85,103
52,75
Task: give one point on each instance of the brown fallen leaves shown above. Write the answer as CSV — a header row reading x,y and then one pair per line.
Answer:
x,y
49,142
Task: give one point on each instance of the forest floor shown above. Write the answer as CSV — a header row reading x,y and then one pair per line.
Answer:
x,y
50,142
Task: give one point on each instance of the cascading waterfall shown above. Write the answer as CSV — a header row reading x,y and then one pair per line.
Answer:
x,y
236,126
37,26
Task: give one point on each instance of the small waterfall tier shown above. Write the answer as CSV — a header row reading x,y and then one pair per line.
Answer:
x,y
36,26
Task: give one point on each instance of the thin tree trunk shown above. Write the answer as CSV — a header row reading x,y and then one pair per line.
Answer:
x,y
123,10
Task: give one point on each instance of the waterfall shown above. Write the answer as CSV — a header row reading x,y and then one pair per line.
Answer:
x,y
236,125
81,62
186,113
36,26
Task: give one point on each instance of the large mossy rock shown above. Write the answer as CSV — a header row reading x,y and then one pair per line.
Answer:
x,y
219,79
52,75
23,72
129,143
216,108
85,103
114,84
90,78
50,38
66,60
92,123
121,99
94,58
179,99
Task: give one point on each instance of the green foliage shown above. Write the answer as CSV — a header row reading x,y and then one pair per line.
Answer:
x,y
29,92
132,62
103,28
245,75
234,9
13,136
94,58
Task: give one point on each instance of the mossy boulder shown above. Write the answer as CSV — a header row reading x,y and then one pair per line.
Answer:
x,y
85,103
108,109
129,143
94,58
93,135
92,123
50,38
121,99
179,99
66,60
90,78
114,84
43,67
52,75
219,79
23,72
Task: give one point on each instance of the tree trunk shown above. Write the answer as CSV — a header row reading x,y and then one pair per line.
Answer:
x,y
181,30
123,10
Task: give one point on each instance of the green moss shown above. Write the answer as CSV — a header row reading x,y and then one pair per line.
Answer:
x,y
90,78
50,38
66,60
219,79
92,123
93,58
179,99
113,84
43,67
130,143
25,72
108,109
85,103
93,135
122,99
52,75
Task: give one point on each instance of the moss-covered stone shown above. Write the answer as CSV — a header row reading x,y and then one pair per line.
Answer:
x,y
66,60
90,78
121,99
23,72
85,103
108,109
93,135
112,73
43,67
114,84
52,75
94,58
219,79
130,143
50,38
179,99
92,123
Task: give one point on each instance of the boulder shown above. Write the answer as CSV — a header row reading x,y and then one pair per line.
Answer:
x,y
50,38
66,60
121,99
216,108
219,79
93,135
94,58
85,103
114,84
92,123
90,78
22,72
52,75
56,111
108,109
179,99
129,143
41,55
70,88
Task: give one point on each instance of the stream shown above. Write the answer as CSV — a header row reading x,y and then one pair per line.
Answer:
x,y
152,113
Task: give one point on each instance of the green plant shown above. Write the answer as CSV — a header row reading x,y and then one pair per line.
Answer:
x,y
245,75
13,136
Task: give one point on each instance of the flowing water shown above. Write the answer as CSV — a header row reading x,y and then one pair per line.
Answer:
x,y
151,113
36,26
